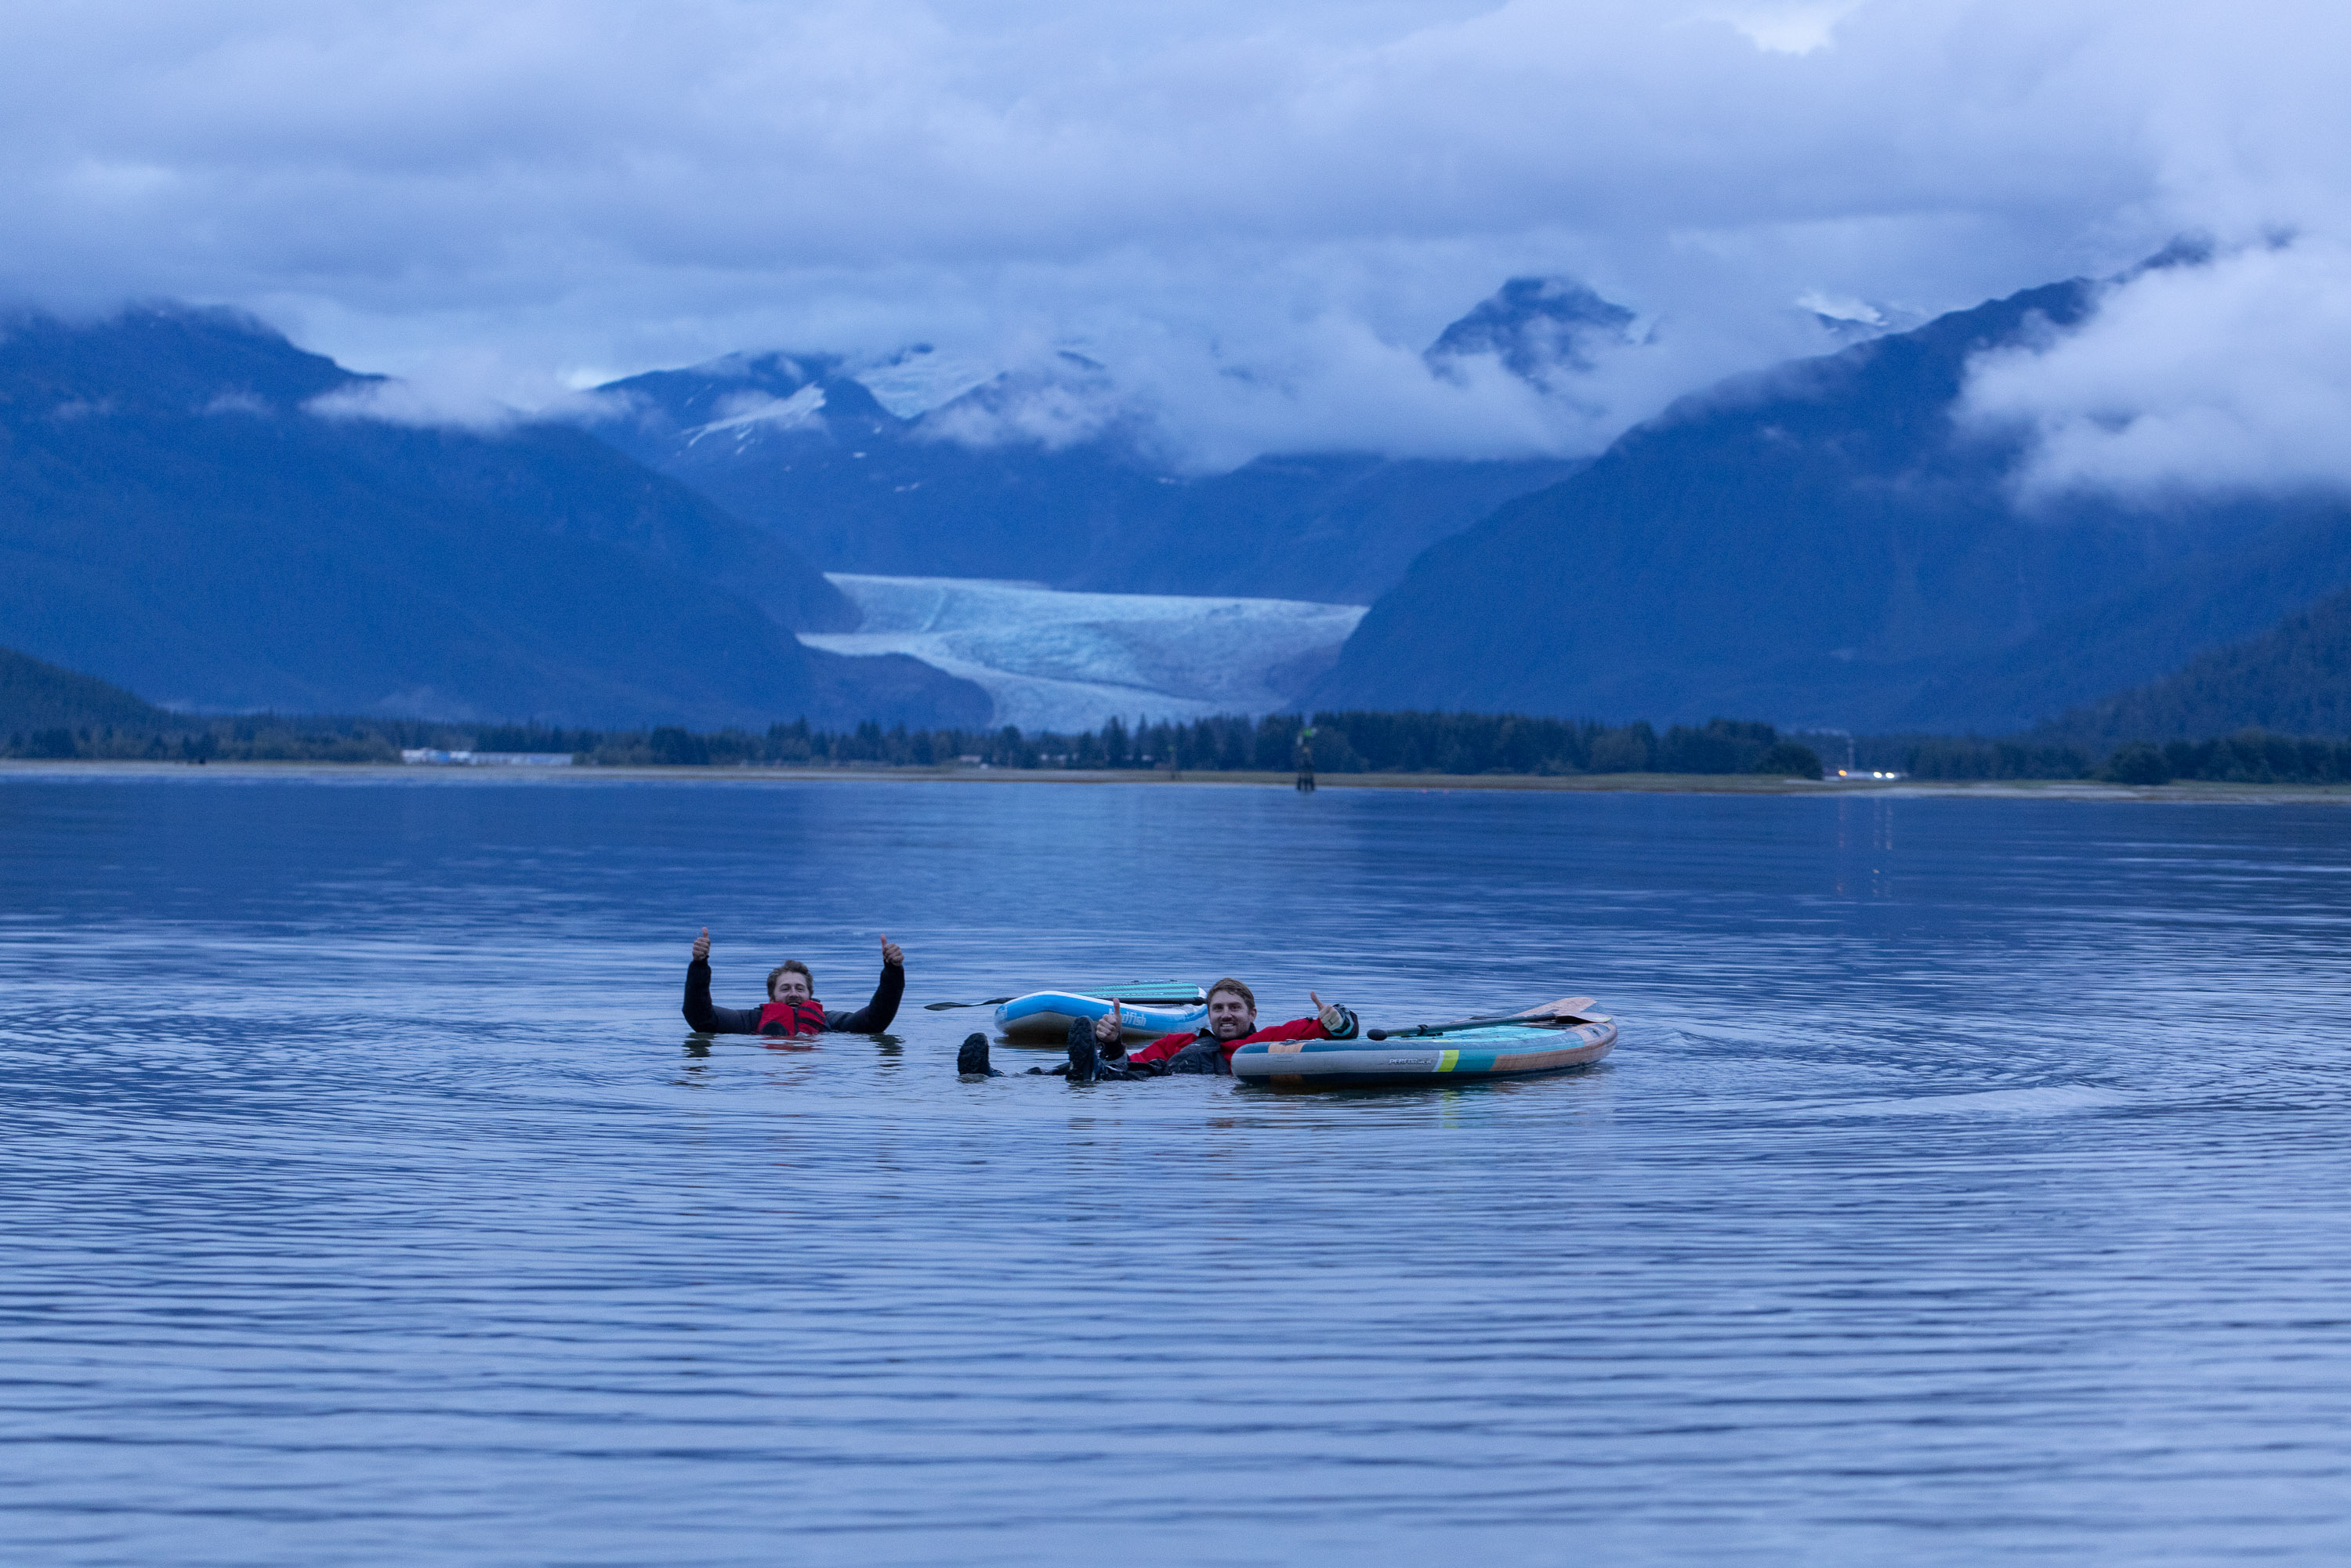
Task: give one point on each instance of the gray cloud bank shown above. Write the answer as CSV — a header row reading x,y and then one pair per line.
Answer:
x,y
1256,216
2234,376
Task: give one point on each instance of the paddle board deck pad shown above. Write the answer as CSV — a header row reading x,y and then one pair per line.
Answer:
x,y
1466,1056
1043,1017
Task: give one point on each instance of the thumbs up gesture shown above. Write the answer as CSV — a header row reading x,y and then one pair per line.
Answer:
x,y
1111,1027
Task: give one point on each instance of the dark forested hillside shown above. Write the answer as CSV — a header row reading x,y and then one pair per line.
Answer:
x,y
2252,563
2294,680
35,695
178,515
1823,543
1809,543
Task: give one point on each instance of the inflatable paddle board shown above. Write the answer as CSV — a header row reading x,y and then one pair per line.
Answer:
x,y
1460,1056
1148,1011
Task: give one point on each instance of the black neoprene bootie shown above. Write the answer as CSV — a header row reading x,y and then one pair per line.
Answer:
x,y
971,1061
1085,1058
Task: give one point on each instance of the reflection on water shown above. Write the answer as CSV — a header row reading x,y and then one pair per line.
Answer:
x,y
1968,1184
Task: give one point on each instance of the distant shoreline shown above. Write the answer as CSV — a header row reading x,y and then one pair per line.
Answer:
x,y
2194,792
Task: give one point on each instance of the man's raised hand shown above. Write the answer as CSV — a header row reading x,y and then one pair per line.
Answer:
x,y
1331,1013
893,955
701,947
1111,1027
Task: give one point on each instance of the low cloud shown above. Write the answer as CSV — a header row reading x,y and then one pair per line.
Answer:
x,y
1061,400
394,401
1337,385
472,389
2230,376
1788,26
1255,217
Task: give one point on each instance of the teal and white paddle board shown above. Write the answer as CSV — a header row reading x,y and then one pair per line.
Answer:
x,y
1148,1011
1462,1056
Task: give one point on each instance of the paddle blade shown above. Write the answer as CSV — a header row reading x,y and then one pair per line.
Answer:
x,y
1565,1007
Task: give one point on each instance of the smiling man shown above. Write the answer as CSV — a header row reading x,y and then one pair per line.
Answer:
x,y
792,1008
1232,1023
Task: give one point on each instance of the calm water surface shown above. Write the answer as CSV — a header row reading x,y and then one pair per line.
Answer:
x,y
1972,1183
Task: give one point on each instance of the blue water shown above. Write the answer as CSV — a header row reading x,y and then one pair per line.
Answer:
x,y
1972,1183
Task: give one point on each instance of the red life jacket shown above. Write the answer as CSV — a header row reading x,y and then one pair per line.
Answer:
x,y
1167,1045
801,1017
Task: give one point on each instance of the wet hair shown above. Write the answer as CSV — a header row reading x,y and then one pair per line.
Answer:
x,y
1229,984
791,966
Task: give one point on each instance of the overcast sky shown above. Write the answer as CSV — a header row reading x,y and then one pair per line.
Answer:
x,y
1256,214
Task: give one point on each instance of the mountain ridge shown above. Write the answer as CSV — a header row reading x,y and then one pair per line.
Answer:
x,y
1038,475
179,517
1820,543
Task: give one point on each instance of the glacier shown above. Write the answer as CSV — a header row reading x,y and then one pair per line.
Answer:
x,y
1055,660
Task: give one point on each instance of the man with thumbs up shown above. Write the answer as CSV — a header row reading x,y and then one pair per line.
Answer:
x,y
792,1008
1232,1023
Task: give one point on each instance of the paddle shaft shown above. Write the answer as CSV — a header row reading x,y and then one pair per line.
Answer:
x,y
1550,1013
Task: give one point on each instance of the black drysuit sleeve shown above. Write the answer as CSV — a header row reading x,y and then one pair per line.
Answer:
x,y
874,1016
700,1015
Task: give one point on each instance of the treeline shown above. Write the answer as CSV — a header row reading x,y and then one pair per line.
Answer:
x,y
1943,756
1350,742
264,738
1353,742
2248,757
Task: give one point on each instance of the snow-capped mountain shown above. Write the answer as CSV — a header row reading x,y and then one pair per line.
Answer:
x,y
742,400
1829,546
922,465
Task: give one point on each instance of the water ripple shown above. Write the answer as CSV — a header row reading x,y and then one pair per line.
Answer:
x,y
1967,1185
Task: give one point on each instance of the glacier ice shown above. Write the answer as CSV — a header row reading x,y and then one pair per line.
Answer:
x,y
1062,661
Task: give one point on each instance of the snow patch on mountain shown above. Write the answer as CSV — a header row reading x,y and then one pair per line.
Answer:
x,y
741,413
1062,661
1851,319
917,379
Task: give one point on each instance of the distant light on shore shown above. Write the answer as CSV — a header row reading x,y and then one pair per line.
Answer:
x,y
428,757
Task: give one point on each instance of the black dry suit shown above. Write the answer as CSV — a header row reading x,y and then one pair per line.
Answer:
x,y
872,1018
1090,1061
